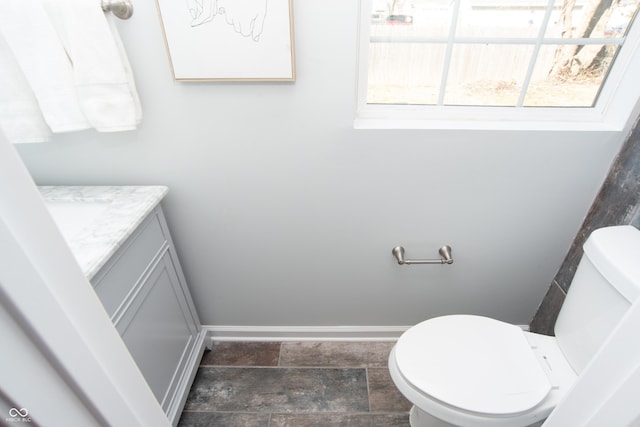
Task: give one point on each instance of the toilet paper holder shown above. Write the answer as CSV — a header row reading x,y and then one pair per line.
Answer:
x,y
445,254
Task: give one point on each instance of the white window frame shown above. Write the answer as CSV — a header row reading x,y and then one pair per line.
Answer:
x,y
616,106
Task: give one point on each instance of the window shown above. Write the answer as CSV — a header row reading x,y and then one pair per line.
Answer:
x,y
525,59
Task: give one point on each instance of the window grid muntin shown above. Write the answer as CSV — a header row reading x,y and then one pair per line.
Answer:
x,y
449,52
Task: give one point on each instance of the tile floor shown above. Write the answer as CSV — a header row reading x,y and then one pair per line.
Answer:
x,y
295,384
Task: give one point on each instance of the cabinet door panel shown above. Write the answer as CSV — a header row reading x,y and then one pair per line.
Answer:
x,y
114,282
156,330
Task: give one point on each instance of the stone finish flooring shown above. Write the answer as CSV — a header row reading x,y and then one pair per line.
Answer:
x,y
295,384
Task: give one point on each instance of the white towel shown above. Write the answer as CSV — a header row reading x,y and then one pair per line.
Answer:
x,y
73,60
20,116
105,90
127,67
28,31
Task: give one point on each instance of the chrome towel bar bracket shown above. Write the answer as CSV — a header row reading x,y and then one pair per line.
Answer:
x,y
122,9
445,254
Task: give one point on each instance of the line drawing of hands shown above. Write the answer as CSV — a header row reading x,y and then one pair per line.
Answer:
x,y
246,16
202,11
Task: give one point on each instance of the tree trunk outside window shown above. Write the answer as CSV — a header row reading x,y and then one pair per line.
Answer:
x,y
575,61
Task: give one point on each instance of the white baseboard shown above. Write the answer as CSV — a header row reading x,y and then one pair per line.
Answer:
x,y
307,333
304,333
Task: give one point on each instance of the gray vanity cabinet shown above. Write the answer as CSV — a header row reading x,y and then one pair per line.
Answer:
x,y
143,290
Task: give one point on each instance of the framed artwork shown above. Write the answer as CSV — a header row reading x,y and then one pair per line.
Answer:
x,y
229,40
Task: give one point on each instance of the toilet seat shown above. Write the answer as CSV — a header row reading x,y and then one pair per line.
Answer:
x,y
473,363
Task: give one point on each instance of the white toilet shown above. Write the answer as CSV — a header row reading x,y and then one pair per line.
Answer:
x,y
464,370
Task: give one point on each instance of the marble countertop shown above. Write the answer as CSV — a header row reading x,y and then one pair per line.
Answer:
x,y
96,220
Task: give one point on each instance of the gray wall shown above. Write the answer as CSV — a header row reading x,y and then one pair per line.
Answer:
x,y
283,214
617,203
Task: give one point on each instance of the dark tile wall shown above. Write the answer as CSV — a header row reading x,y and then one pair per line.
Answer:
x,y
617,203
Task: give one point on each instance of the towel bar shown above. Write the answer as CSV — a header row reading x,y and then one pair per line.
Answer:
x,y
123,9
445,253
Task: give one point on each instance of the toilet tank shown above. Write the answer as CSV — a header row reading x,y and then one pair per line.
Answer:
x,y
606,282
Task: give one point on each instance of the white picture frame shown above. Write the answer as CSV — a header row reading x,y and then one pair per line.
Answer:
x,y
229,40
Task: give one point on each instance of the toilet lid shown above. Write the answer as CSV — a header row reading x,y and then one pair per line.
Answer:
x,y
474,363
